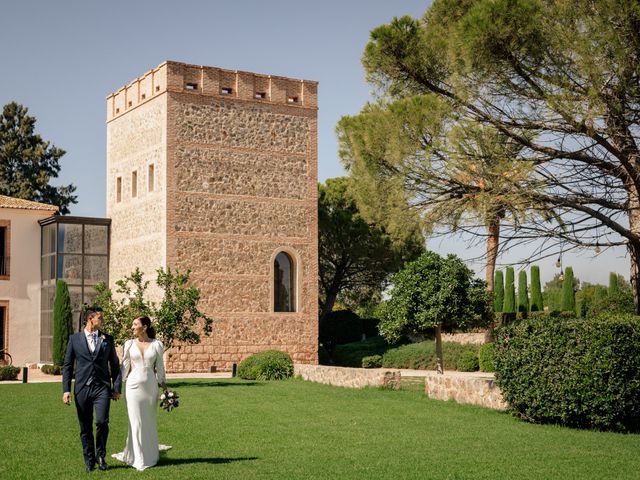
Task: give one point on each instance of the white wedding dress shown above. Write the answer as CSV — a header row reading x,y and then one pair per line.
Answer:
x,y
143,373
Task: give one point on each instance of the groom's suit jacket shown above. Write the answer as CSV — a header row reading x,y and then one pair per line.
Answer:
x,y
101,366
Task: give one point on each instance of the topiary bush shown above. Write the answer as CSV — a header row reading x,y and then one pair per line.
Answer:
x,y
51,369
468,362
577,372
373,361
9,372
486,357
267,365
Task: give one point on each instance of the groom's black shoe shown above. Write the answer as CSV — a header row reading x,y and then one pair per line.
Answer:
x,y
90,467
102,465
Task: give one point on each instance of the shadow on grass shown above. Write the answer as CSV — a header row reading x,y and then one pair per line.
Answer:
x,y
212,460
211,383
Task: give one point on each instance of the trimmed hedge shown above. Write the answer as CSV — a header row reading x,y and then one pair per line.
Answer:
x,y
51,369
422,356
351,354
9,372
575,372
486,357
374,361
267,365
468,362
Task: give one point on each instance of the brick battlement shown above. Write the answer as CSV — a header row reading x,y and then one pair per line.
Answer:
x,y
215,82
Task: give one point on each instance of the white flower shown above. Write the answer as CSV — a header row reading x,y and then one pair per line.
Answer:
x,y
170,394
171,400
162,397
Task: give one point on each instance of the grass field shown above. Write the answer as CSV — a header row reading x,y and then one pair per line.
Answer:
x,y
233,429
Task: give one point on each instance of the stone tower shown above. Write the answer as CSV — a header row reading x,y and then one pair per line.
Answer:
x,y
216,171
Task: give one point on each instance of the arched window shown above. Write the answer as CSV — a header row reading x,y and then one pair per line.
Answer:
x,y
284,284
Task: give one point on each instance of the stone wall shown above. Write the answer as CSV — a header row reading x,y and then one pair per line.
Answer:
x,y
474,389
349,377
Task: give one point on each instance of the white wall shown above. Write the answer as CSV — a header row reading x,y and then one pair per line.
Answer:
x,y
22,290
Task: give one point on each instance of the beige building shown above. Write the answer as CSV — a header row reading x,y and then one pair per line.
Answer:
x,y
21,333
216,171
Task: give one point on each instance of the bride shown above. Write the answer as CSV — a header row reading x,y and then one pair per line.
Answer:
x,y
143,365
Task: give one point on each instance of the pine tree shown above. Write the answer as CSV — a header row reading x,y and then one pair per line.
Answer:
x,y
523,293
509,292
568,292
614,288
537,305
62,322
498,291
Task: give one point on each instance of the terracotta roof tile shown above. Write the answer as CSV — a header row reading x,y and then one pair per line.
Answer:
x,y
12,202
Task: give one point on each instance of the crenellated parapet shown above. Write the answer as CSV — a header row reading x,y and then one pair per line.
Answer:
x,y
215,82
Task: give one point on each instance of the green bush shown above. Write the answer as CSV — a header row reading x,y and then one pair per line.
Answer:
x,y
370,327
468,362
9,372
486,357
351,354
51,369
323,356
62,322
373,361
267,365
422,356
339,327
579,373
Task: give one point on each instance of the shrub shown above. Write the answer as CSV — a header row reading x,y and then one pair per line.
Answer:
x,y
468,362
62,322
9,372
579,373
486,357
568,291
373,361
370,327
339,327
422,356
267,365
51,369
323,356
351,354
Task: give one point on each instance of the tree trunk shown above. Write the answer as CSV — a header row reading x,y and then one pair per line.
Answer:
x,y
493,241
634,254
439,359
329,302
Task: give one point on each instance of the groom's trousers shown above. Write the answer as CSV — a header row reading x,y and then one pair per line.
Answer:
x,y
95,396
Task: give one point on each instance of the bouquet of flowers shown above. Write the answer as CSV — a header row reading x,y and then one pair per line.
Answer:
x,y
169,400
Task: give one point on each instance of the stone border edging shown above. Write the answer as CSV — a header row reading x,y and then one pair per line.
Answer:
x,y
349,377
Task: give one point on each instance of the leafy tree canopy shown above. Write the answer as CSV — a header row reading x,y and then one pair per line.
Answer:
x,y
28,163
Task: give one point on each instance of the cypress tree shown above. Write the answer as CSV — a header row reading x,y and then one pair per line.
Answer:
x,y
62,322
568,295
509,292
498,291
614,289
537,305
523,293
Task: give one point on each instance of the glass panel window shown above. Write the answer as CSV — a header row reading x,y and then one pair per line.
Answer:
x,y
70,268
75,293
96,239
69,238
284,283
47,295
95,269
49,239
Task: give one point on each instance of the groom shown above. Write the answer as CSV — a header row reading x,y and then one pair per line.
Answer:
x,y
97,381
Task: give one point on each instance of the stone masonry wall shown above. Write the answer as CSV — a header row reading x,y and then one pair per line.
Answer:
x,y
243,187
349,377
134,142
466,389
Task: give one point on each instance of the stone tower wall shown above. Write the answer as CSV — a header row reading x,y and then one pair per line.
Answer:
x,y
241,186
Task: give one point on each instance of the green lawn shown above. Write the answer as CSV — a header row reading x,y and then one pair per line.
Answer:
x,y
297,430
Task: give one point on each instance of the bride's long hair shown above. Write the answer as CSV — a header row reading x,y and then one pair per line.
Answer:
x,y
146,322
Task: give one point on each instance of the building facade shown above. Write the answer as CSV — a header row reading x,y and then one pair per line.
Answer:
x,y
216,171
21,332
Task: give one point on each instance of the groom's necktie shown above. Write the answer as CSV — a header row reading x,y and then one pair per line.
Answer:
x,y
94,342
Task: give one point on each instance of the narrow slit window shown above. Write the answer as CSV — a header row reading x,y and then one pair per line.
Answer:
x,y
284,283
157,88
117,110
144,95
226,90
191,86
292,99
151,177
134,184
261,95
130,103
119,189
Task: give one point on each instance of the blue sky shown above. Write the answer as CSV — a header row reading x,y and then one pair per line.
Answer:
x,y
62,58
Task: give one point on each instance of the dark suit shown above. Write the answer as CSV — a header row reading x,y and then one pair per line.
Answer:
x,y
97,377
